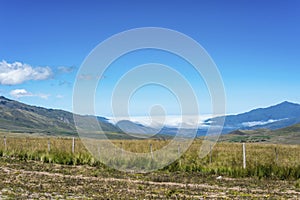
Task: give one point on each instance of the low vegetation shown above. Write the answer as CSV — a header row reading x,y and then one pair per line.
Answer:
x,y
262,160
31,169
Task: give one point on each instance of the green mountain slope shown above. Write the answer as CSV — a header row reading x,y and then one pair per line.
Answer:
x,y
287,135
19,117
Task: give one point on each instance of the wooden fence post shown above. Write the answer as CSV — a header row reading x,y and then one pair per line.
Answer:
x,y
121,149
73,144
4,139
49,148
178,151
276,155
210,154
151,151
244,156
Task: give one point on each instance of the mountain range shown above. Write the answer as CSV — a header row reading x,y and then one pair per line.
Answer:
x,y
273,117
19,117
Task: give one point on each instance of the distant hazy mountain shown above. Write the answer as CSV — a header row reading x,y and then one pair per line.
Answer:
x,y
19,117
141,130
131,127
274,117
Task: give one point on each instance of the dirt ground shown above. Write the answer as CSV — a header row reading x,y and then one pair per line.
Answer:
x,y
37,180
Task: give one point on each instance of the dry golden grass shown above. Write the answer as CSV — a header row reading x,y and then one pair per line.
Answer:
x,y
263,160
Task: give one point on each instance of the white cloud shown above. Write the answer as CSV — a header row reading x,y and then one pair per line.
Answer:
x,y
17,73
260,123
59,96
43,96
173,121
18,93
65,69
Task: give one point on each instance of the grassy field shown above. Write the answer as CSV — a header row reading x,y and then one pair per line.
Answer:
x,y
29,168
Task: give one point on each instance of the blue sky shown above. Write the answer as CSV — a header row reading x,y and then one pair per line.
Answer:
x,y
255,45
